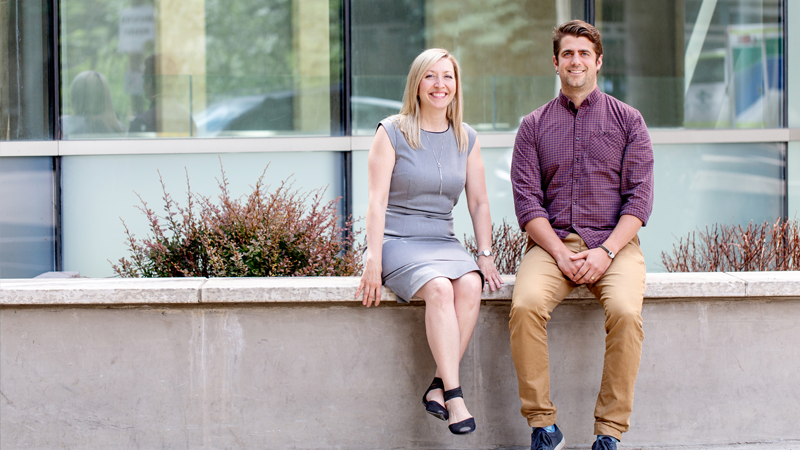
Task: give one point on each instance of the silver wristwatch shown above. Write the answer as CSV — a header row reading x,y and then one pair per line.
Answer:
x,y
610,253
487,252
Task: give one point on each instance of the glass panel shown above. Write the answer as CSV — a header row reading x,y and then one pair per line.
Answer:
x,y
497,164
27,230
98,191
503,46
699,185
793,180
24,86
200,68
793,66
695,63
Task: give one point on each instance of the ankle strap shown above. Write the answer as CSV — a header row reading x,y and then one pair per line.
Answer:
x,y
437,384
453,393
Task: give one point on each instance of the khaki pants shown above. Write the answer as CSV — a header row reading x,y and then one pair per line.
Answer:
x,y
540,286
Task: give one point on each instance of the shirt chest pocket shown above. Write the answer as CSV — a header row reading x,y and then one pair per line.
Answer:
x,y
607,146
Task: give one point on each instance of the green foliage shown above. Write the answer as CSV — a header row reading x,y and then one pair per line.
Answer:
x,y
282,233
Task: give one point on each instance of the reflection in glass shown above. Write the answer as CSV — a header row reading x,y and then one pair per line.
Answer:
x,y
695,63
209,68
702,184
93,112
504,47
24,77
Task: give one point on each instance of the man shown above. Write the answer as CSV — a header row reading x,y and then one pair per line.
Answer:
x,y
582,174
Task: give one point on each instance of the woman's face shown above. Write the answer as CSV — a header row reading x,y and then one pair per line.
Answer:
x,y
438,86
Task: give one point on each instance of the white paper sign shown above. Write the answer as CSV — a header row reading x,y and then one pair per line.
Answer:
x,y
136,27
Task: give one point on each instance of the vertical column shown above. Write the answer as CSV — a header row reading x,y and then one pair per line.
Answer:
x,y
180,66
311,36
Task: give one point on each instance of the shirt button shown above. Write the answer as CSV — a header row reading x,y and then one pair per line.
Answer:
x,y
576,159
574,203
577,139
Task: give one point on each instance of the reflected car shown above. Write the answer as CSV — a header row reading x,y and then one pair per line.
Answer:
x,y
273,113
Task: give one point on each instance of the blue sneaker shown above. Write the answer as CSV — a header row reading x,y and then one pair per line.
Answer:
x,y
605,443
542,440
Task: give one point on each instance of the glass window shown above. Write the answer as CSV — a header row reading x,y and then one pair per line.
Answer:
x,y
25,100
504,48
695,63
98,191
200,68
703,184
27,218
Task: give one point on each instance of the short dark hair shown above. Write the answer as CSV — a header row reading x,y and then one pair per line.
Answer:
x,y
577,28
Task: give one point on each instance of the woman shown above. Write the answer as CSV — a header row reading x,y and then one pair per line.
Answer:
x,y
419,163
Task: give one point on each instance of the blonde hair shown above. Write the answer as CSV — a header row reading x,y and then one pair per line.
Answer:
x,y
408,120
90,97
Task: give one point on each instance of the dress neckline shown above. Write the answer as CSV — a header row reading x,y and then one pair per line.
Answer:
x,y
436,132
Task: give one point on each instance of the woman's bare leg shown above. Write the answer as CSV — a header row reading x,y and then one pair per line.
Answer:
x,y
451,312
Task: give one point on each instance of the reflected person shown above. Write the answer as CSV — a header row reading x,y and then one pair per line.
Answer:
x,y
92,108
582,175
419,163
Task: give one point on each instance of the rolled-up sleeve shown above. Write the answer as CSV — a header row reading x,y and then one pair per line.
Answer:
x,y
636,188
526,177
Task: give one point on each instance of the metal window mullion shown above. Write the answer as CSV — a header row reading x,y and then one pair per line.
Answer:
x,y
54,88
347,86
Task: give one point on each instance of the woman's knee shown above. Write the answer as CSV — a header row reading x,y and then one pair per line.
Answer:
x,y
468,286
438,291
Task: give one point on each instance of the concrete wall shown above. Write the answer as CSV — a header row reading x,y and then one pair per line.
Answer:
x,y
292,363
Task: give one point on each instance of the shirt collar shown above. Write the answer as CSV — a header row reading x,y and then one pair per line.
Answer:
x,y
590,100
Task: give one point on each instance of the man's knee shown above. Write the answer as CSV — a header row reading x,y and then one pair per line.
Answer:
x,y
623,312
531,305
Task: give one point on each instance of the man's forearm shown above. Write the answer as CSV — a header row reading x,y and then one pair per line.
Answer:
x,y
626,229
542,233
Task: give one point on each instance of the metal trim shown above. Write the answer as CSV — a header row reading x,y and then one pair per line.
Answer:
x,y
342,143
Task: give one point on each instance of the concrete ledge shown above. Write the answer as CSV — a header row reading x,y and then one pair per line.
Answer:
x,y
100,291
87,291
296,363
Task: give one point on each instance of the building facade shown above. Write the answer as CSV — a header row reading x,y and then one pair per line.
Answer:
x,y
99,99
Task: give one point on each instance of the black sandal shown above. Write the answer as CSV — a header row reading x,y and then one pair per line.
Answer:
x,y
433,407
465,426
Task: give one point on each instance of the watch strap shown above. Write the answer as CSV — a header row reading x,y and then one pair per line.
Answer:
x,y
609,252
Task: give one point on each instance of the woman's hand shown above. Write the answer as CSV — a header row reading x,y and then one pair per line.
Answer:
x,y
493,280
370,284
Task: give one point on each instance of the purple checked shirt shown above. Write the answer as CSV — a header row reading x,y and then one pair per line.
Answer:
x,y
583,170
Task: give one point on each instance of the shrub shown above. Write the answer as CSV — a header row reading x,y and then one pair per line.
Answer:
x,y
283,233
508,242
734,248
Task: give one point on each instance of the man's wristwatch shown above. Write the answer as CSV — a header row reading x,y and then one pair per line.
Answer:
x,y
487,252
610,253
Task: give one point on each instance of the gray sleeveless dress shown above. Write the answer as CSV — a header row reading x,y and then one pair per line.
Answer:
x,y
418,240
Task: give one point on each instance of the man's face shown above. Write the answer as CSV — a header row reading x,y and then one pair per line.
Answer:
x,y
577,64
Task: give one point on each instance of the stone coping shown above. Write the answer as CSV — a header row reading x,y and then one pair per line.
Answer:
x,y
137,291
